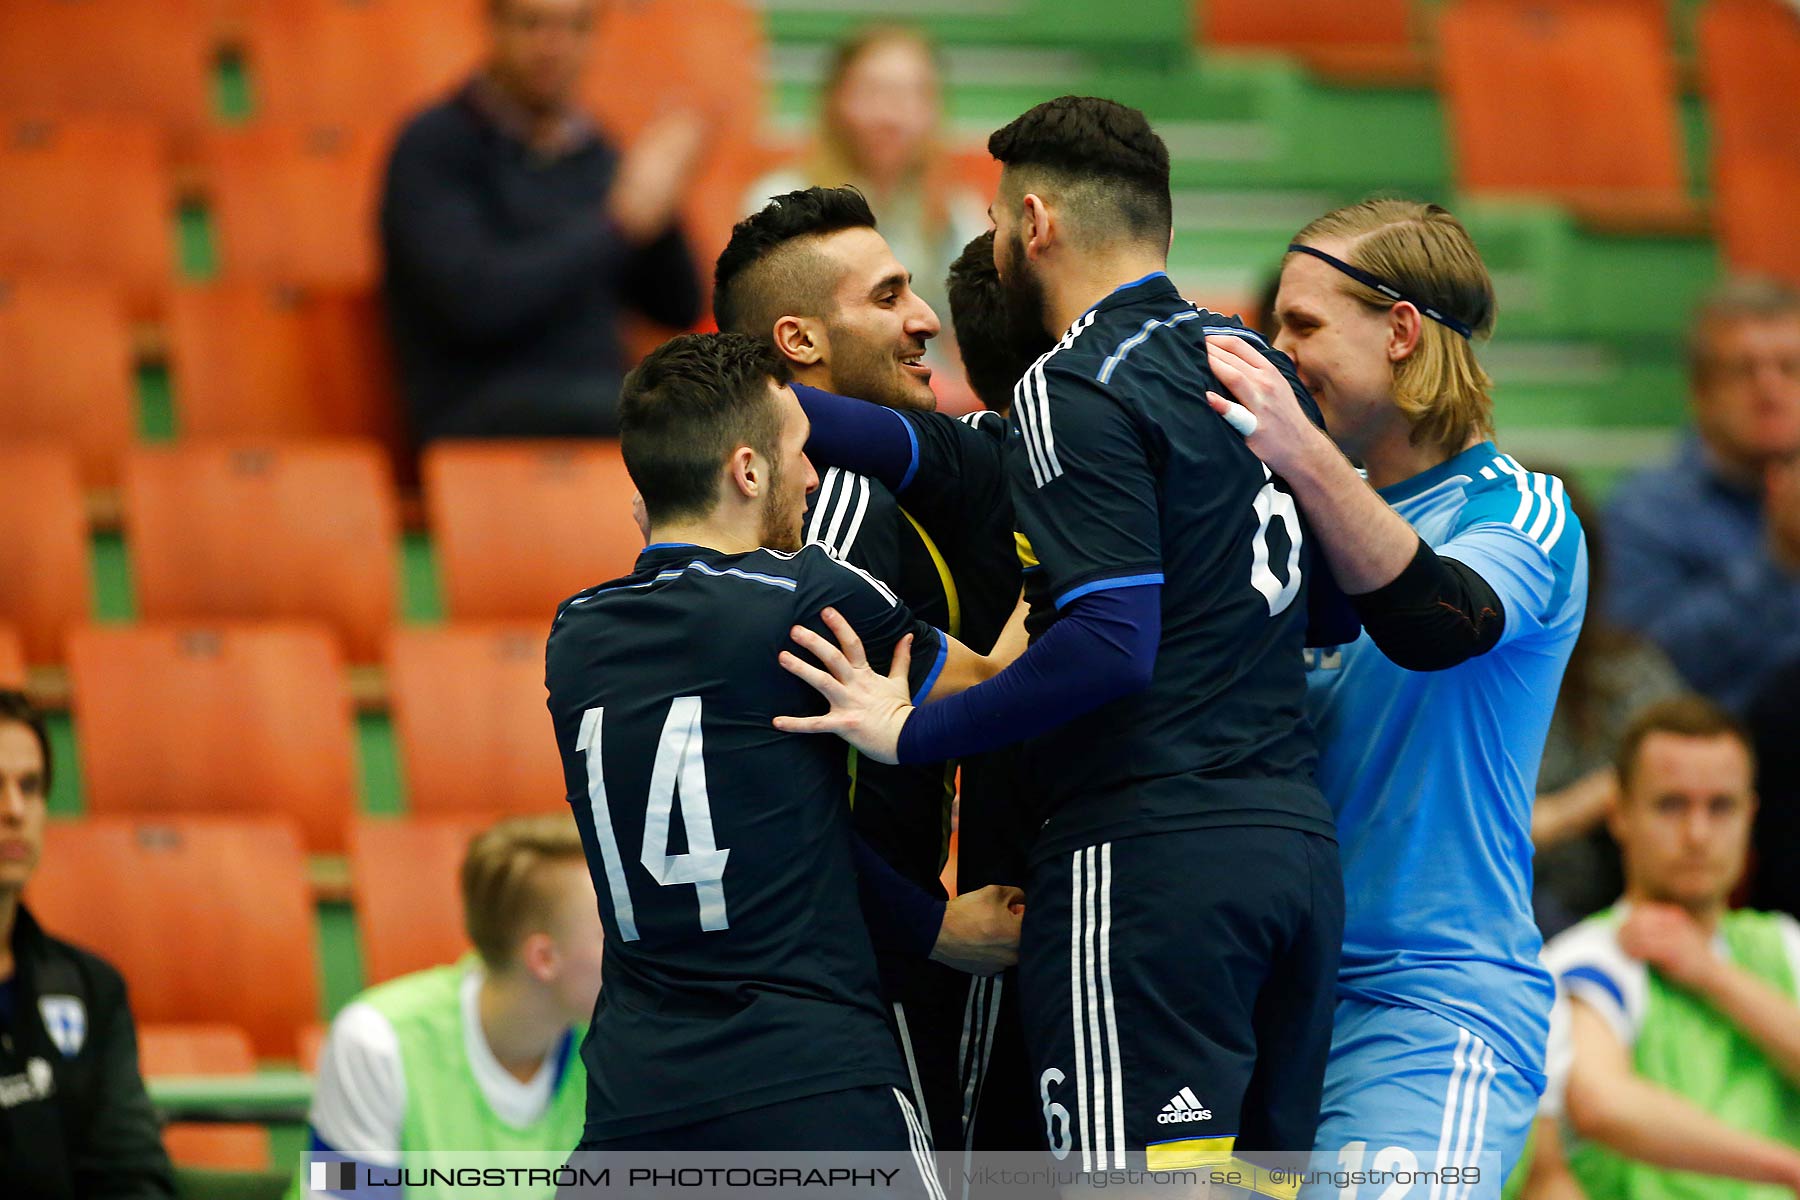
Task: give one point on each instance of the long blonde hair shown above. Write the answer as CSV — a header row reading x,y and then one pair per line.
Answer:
x,y
1427,255
832,163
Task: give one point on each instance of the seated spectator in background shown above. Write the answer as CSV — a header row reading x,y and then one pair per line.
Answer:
x,y
1612,676
74,1118
1682,1015
881,107
482,1054
1706,548
515,236
1775,731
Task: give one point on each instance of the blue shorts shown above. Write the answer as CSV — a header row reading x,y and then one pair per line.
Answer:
x,y
1406,1090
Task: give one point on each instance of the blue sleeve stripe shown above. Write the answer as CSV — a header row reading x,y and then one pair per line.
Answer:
x,y
1106,585
1599,979
937,668
913,437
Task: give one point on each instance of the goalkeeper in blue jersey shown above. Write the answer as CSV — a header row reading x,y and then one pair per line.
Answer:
x,y
1470,575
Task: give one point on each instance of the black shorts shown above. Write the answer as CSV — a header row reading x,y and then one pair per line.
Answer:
x,y
926,1002
878,1120
1177,993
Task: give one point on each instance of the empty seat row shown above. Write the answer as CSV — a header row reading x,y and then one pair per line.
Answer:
x,y
310,530
211,920
258,719
348,60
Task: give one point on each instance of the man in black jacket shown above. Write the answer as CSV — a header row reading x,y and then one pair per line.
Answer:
x,y
514,237
74,1118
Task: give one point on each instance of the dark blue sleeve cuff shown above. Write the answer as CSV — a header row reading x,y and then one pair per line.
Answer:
x,y
1103,648
860,437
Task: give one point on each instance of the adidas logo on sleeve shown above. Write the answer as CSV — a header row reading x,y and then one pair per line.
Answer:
x,y
1183,1107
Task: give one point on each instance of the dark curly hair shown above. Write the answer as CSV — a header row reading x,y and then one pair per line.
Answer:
x,y
994,354
1109,167
764,274
683,410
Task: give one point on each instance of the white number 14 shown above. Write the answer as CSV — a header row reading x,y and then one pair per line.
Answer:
x,y
679,767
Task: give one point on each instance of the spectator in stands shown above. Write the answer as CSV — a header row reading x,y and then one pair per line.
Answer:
x,y
74,1118
1612,675
1707,546
482,1054
515,236
1775,730
1682,1015
880,111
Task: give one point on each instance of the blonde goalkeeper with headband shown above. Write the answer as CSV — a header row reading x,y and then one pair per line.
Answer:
x,y
1470,575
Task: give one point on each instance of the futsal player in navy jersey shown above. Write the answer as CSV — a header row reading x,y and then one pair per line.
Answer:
x,y
740,1009
1186,902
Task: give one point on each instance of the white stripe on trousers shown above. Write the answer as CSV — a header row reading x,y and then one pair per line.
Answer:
x,y
921,1148
1472,1071
912,1064
1101,1112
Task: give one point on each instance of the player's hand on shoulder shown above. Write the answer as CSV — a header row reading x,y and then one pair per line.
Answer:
x,y
1670,940
868,709
980,933
1262,406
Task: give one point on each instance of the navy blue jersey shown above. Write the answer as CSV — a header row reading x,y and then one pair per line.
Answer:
x,y
929,553
738,969
1127,477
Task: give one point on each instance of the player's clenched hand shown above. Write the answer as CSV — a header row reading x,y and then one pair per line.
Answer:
x,y
1280,432
868,709
980,933
1670,940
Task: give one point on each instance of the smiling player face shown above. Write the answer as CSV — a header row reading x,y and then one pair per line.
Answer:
x,y
879,325
1340,346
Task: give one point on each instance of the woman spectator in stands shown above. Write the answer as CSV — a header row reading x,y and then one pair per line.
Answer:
x,y
74,1117
880,111
1611,675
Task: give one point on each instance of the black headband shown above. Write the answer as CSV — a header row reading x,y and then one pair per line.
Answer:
x,y
1384,287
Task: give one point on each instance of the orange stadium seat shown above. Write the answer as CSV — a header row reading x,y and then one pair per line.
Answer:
x,y
296,204
468,704
312,1046
412,918
1756,196
707,55
1750,70
208,920
245,720
205,1049
520,527
228,529
12,658
1358,39
108,56
1750,62
1572,100
44,584
66,343
88,194
257,360
344,61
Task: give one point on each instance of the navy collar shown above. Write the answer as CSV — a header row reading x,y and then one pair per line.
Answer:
x,y
1152,286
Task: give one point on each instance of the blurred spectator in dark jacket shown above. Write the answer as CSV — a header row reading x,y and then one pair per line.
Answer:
x,y
1612,675
1706,548
515,237
74,1118
1775,726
